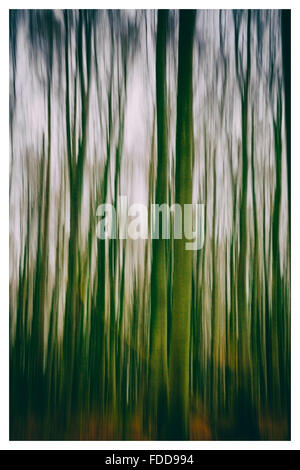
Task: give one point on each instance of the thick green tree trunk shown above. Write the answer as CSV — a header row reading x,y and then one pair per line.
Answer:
x,y
182,282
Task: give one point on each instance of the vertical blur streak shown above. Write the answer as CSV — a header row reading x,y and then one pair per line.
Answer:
x,y
142,339
158,326
182,278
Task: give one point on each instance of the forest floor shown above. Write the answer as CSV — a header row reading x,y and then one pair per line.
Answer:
x,y
98,429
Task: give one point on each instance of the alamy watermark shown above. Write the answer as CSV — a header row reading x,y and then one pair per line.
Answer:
x,y
133,221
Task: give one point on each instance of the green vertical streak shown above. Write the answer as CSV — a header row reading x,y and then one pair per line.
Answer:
x,y
51,362
158,328
232,353
215,322
277,318
201,298
73,310
97,338
182,282
34,339
245,419
286,59
267,345
256,294
242,297
38,327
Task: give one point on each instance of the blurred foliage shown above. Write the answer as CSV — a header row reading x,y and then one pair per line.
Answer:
x,y
125,339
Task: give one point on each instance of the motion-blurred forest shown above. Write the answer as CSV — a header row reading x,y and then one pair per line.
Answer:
x,y
142,339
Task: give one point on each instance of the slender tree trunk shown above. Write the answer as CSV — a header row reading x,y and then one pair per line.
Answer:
x,y
72,325
277,319
158,344
286,58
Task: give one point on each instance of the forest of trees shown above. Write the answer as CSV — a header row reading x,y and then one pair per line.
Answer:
x,y
142,339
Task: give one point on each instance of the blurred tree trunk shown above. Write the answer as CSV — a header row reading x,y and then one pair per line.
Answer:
x,y
278,322
245,419
182,282
158,342
72,325
215,320
286,59
43,244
